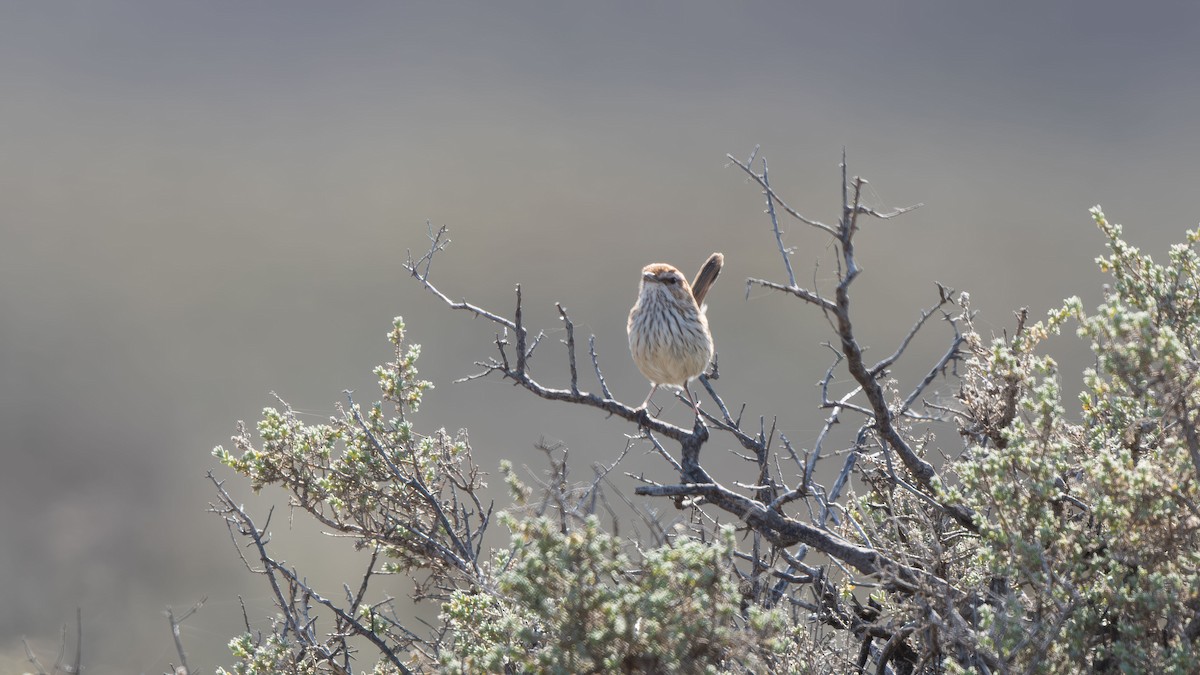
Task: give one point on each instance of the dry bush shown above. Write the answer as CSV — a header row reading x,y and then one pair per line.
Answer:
x,y
1025,537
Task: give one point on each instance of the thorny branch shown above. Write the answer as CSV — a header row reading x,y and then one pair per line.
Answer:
x,y
76,664
174,623
868,378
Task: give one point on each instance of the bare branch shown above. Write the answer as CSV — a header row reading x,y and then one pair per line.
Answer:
x,y
922,470
802,293
833,419
925,314
237,519
761,180
952,354
423,277
890,214
174,623
77,664
32,658
663,452
562,313
783,531
596,365
519,329
785,252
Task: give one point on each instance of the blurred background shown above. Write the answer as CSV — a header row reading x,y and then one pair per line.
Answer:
x,y
202,203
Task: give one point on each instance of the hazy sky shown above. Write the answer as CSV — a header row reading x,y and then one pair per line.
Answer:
x,y
204,202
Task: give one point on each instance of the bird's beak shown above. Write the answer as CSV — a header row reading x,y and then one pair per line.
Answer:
x,y
646,276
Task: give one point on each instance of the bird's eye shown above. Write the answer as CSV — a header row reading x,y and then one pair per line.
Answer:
x,y
668,280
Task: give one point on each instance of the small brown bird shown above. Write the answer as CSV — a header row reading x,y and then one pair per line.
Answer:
x,y
668,330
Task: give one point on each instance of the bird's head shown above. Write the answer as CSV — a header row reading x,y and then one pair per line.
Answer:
x,y
661,278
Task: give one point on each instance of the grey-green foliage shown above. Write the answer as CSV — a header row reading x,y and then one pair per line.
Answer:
x,y
1088,550
411,498
576,602
370,475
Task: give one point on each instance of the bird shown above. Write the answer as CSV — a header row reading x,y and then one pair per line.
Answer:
x,y
668,328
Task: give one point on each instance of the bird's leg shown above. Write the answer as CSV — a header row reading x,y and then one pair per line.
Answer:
x,y
646,403
693,401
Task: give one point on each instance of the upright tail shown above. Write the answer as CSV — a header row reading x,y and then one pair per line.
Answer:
x,y
706,276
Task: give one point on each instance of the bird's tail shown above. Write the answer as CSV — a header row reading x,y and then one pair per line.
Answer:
x,y
706,276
